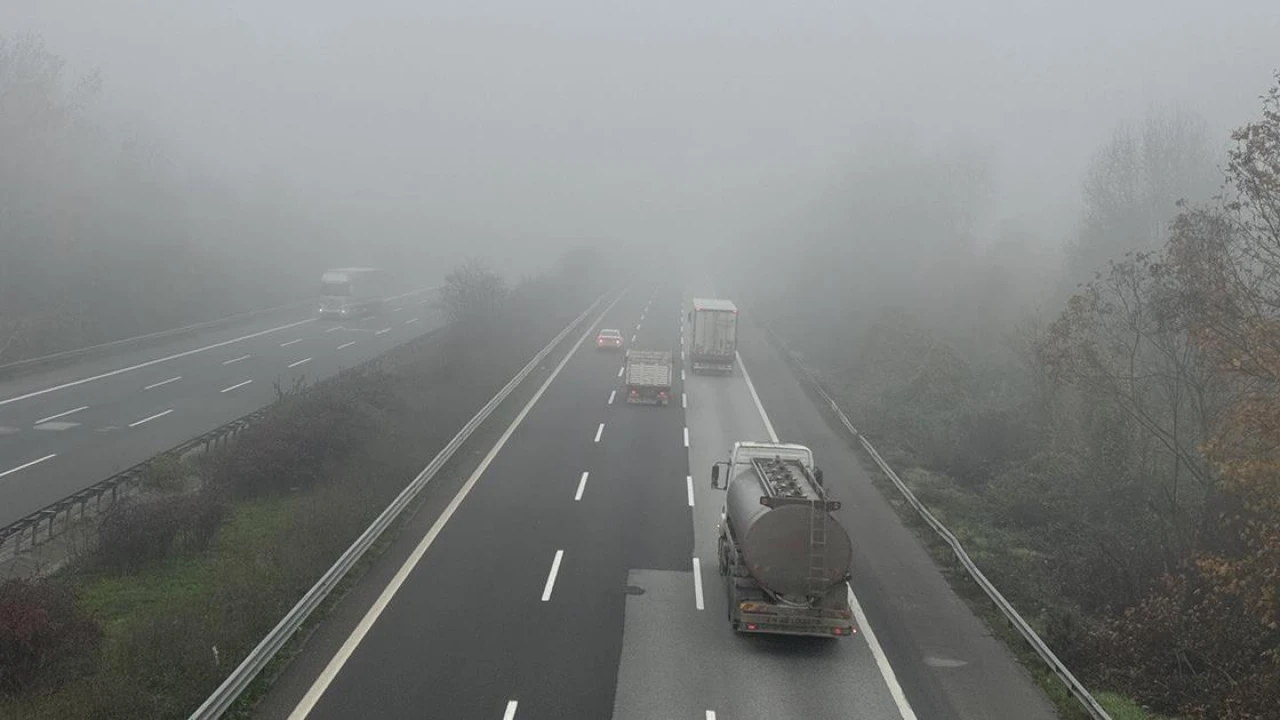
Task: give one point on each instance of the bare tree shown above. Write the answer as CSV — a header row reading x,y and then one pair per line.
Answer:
x,y
1133,186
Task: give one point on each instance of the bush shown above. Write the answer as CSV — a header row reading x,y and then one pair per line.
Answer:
x,y
306,433
132,534
42,634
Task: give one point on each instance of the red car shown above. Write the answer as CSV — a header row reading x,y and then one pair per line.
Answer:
x,y
609,340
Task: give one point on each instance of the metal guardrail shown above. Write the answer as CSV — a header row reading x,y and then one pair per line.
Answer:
x,y
1074,686
48,522
236,683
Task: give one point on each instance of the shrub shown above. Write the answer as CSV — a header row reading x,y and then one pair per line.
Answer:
x,y
132,534
42,634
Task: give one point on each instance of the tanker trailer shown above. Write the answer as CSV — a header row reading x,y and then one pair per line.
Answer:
x,y
784,557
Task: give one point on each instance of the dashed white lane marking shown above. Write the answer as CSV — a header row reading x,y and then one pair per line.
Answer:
x,y
410,321
300,362
60,415
882,661
383,331
396,309
686,436
582,487
24,466
639,325
551,577
697,584
633,338
510,713
620,371
612,394
149,419
295,341
688,484
681,376
346,345
163,382
340,658
234,387
233,361
599,432
149,363
684,400
56,426
335,328
711,715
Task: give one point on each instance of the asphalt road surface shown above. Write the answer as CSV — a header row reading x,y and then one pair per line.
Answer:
x,y
67,428
574,575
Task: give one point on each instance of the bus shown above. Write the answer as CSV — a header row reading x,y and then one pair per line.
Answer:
x,y
352,292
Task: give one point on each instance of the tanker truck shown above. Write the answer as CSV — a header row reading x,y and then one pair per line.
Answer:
x,y
784,557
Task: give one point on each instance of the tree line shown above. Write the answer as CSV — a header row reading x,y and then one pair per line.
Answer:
x,y
1110,450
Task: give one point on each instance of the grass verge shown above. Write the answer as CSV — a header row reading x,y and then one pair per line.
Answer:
x,y
285,500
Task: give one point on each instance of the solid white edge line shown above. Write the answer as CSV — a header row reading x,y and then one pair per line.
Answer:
x,y
149,363
326,676
688,481
582,487
551,576
236,360
510,712
697,584
149,419
882,660
24,466
346,345
768,426
234,387
612,393
61,414
686,436
153,386
300,362
599,432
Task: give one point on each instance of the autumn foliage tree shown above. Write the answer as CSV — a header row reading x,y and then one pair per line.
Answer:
x,y
1206,642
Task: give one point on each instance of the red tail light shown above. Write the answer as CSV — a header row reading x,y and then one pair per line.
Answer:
x,y
752,626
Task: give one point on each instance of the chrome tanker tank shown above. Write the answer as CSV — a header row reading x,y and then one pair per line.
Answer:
x,y
781,521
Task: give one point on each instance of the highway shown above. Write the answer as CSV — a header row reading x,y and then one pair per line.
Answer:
x,y
573,574
64,429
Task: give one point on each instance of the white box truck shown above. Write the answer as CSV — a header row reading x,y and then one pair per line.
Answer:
x,y
715,335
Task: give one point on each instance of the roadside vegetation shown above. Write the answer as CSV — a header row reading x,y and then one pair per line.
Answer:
x,y
1109,452
180,586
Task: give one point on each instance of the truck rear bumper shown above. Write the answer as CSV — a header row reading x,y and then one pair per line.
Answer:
x,y
704,366
811,627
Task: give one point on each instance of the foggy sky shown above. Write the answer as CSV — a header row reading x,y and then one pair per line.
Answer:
x,y
554,120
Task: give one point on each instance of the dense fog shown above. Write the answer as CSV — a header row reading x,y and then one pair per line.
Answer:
x,y
264,141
